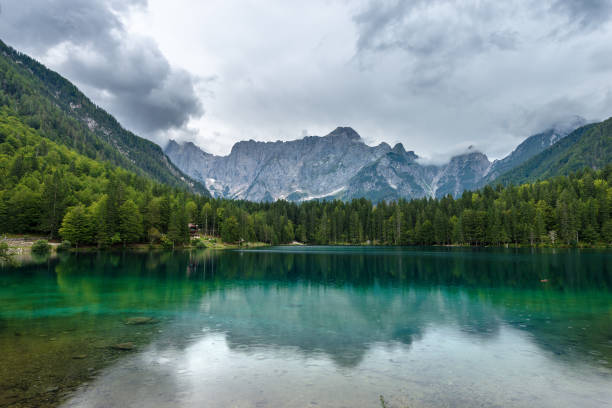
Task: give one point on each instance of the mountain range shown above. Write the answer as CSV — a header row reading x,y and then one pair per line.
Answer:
x,y
341,165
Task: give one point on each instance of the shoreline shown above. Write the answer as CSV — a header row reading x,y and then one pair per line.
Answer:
x,y
22,245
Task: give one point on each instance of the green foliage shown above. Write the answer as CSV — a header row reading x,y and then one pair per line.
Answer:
x,y
130,222
166,242
48,103
41,246
154,235
76,226
198,243
230,230
45,186
589,146
64,246
115,238
5,255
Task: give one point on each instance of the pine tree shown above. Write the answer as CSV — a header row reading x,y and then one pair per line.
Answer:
x,y
441,229
130,222
53,202
178,229
356,231
205,217
606,231
230,230
76,226
457,231
101,228
323,231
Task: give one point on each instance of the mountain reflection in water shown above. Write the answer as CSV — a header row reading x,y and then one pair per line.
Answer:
x,y
329,326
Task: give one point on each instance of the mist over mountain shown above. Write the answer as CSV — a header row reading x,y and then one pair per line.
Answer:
x,y
341,165
589,146
533,145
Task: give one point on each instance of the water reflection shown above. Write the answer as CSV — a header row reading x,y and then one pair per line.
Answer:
x,y
425,327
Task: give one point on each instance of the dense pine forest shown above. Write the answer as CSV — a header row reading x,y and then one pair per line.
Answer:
x,y
49,189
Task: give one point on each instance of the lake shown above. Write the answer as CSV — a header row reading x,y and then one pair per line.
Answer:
x,y
309,327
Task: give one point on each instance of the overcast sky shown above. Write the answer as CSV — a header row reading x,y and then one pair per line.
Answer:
x,y
436,75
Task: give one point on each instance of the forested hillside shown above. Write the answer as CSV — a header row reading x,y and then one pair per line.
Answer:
x,y
49,189
43,183
47,102
588,146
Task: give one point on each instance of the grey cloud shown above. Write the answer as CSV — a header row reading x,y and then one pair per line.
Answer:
x,y
427,28
585,14
87,42
169,105
437,36
41,24
550,114
504,40
436,41
432,74
375,19
419,28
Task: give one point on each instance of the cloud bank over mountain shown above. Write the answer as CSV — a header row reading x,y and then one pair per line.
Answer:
x,y
437,76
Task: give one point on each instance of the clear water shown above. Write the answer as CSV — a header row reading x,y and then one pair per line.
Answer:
x,y
309,326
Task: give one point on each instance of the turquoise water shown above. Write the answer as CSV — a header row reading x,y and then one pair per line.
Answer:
x,y
309,326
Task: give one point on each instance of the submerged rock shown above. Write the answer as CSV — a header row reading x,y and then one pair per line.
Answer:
x,y
124,346
140,320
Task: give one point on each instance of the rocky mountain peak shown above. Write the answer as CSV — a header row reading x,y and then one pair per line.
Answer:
x,y
399,148
244,146
470,155
172,144
345,132
184,148
190,145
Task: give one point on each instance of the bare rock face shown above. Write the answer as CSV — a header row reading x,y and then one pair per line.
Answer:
x,y
340,165
399,174
462,173
309,168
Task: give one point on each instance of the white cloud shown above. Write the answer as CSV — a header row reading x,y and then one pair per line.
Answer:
x,y
435,75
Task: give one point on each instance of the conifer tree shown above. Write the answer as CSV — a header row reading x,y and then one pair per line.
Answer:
x,y
130,223
76,226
